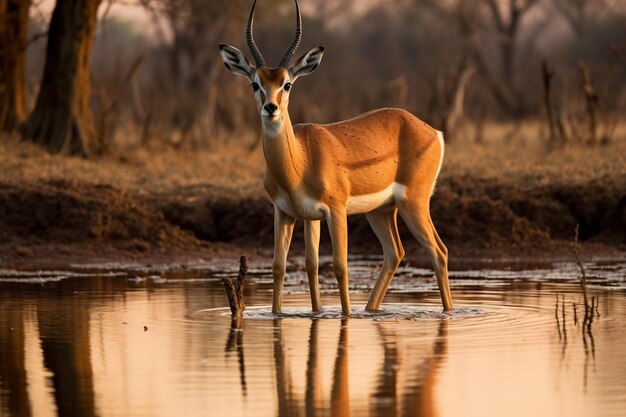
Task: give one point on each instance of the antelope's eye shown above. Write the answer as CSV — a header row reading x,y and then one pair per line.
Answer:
x,y
255,87
287,87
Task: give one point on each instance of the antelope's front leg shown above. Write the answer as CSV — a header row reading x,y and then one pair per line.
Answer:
x,y
283,230
338,228
311,250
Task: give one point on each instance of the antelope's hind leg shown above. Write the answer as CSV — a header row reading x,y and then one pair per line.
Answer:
x,y
417,218
385,227
311,250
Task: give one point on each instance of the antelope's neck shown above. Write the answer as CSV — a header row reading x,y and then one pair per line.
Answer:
x,y
283,152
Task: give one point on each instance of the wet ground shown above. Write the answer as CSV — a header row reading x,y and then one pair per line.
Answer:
x,y
131,340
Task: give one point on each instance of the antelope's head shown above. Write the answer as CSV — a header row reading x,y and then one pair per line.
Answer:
x,y
271,86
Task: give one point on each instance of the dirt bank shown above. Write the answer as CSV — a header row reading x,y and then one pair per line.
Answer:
x,y
466,212
494,200
57,218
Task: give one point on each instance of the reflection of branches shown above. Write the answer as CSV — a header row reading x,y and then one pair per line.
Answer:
x,y
556,315
235,343
561,327
586,332
590,352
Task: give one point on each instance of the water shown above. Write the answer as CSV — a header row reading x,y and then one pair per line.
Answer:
x,y
129,340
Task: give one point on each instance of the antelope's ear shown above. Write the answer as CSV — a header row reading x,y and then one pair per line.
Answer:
x,y
307,63
236,61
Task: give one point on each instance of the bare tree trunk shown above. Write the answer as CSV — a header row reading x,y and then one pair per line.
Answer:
x,y
507,18
62,120
456,108
591,99
547,87
13,32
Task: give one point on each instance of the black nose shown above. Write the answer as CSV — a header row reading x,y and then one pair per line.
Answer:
x,y
270,108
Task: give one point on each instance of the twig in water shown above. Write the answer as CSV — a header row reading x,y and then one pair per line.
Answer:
x,y
234,291
583,277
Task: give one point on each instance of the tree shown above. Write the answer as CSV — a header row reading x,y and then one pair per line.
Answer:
x,y
61,120
13,32
496,21
577,13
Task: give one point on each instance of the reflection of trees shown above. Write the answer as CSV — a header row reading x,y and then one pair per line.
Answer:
x,y
64,333
12,360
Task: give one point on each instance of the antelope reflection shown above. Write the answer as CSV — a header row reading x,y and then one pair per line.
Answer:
x,y
288,402
390,397
419,396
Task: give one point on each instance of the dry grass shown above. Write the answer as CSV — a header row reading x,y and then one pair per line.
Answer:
x,y
232,170
520,156
516,156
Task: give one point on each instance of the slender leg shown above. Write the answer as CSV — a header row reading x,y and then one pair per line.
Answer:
x,y
283,230
338,228
386,229
311,249
443,249
417,218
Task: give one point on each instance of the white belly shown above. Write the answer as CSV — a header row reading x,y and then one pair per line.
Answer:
x,y
369,202
301,206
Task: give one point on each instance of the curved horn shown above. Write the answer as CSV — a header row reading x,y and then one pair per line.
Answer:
x,y
285,61
256,54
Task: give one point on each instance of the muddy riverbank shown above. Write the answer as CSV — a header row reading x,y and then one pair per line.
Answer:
x,y
52,220
496,200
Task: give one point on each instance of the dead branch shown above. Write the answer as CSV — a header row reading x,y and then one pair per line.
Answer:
x,y
589,307
234,291
547,86
456,112
112,108
583,277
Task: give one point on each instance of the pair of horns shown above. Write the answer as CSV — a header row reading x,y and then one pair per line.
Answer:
x,y
256,54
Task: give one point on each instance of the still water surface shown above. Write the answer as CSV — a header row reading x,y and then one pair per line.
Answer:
x,y
128,340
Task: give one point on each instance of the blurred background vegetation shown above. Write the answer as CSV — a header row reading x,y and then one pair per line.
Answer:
x,y
460,65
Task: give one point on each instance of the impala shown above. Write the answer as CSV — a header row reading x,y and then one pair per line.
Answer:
x,y
381,163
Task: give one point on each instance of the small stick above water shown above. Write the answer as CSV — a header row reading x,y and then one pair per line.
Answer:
x,y
583,278
234,291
